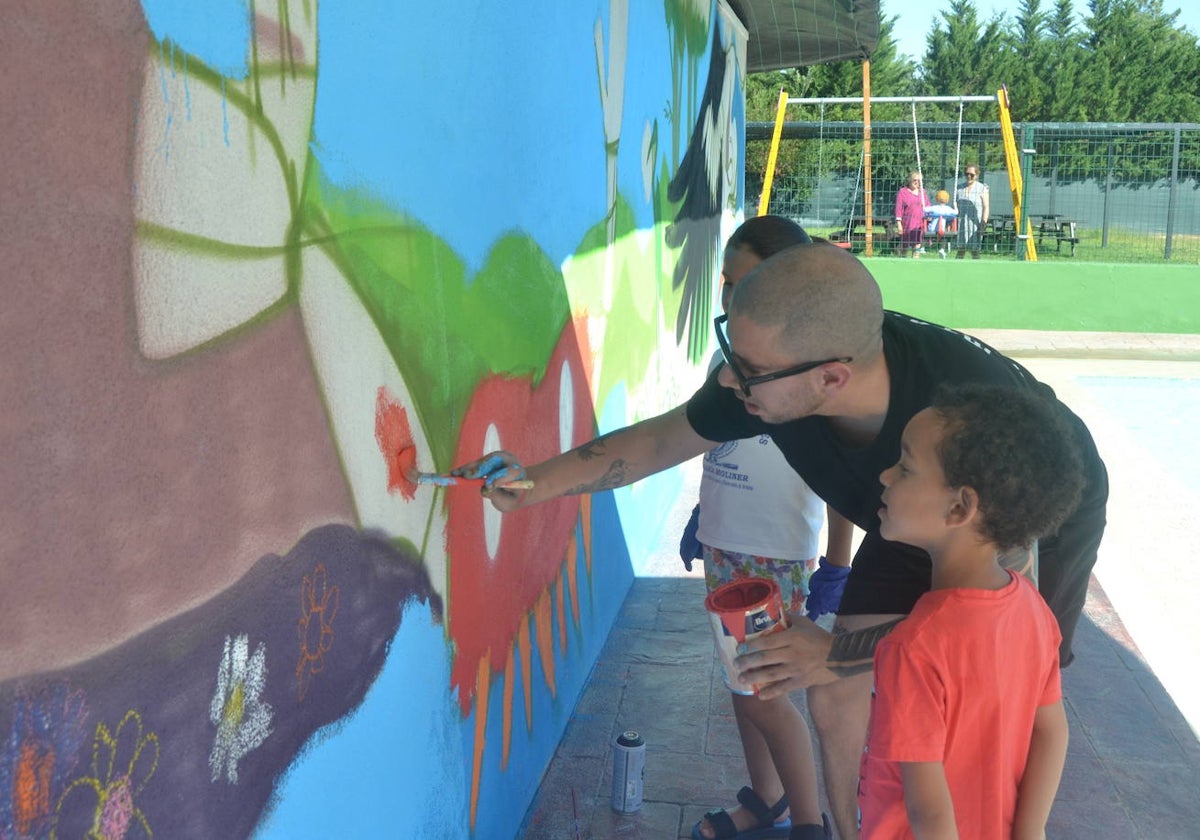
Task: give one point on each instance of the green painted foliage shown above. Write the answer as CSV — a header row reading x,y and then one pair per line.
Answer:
x,y
444,330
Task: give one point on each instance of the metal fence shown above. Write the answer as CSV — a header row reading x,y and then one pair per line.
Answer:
x,y
1130,191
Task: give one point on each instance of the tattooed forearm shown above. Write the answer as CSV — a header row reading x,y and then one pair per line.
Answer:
x,y
853,651
615,476
852,670
591,449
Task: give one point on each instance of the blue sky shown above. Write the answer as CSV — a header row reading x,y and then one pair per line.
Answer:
x,y
914,19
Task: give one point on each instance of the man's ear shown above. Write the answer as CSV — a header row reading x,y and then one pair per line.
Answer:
x,y
963,508
834,376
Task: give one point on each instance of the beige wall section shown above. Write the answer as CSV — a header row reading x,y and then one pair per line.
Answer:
x,y
103,449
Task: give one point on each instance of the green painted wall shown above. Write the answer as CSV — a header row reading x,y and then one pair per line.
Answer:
x,y
1084,297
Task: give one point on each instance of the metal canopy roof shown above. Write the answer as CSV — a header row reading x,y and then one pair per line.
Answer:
x,y
795,33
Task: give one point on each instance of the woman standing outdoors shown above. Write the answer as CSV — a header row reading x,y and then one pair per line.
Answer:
x,y
911,201
973,211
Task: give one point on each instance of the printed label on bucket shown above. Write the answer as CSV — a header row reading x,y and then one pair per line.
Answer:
x,y
739,611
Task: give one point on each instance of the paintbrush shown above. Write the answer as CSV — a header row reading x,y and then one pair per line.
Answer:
x,y
406,464
445,480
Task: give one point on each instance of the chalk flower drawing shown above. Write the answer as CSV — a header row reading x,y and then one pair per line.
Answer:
x,y
116,785
318,606
243,720
41,751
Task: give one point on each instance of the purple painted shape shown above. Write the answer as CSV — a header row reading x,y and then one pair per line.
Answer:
x,y
154,695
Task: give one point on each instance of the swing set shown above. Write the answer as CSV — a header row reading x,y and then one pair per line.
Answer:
x,y
863,177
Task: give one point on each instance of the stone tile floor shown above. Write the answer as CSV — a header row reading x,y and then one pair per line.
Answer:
x,y
1133,767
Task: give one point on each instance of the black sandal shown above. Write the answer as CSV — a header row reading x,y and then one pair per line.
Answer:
x,y
824,831
765,828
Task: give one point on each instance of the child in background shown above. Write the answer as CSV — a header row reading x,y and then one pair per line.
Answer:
x,y
940,219
968,736
757,518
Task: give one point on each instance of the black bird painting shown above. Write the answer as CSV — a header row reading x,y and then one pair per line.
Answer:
x,y
699,185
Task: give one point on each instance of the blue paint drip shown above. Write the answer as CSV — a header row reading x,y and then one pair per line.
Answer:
x,y
164,145
162,71
187,91
224,113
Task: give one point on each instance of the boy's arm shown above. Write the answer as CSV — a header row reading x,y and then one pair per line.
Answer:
x,y
839,539
1043,770
927,800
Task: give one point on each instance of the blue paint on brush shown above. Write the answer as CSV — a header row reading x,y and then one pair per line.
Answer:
x,y
439,480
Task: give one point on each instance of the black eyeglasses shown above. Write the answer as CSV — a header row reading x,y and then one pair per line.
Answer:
x,y
972,175
747,382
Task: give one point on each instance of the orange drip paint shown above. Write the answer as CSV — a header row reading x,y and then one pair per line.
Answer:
x,y
525,651
572,568
585,519
394,436
543,624
560,586
483,681
31,786
506,728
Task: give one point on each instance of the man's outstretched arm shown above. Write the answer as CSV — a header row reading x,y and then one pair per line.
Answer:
x,y
612,460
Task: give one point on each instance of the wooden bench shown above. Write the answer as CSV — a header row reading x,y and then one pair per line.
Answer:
x,y
853,234
1061,229
1002,232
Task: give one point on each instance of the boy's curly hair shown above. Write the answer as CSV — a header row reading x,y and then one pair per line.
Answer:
x,y
1016,448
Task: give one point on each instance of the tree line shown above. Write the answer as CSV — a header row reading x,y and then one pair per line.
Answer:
x,y
1122,61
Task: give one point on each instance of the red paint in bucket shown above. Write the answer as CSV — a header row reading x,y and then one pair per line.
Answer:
x,y
742,610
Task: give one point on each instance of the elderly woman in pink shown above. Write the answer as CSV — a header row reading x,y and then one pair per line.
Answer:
x,y
911,201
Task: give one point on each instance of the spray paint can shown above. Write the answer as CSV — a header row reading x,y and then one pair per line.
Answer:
x,y
629,770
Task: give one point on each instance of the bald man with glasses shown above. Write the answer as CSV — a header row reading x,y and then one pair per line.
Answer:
x,y
814,361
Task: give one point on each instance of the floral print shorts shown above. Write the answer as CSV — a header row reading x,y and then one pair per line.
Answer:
x,y
792,575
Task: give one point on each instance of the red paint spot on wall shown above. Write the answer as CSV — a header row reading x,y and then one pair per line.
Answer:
x,y
394,436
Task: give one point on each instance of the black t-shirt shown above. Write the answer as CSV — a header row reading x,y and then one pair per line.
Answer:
x,y
920,357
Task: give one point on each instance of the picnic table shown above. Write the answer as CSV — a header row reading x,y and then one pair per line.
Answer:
x,y
1002,231
853,234
1060,228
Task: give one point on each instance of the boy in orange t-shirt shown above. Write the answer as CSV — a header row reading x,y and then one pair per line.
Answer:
x,y
968,736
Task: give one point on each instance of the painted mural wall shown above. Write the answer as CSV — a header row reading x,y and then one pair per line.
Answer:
x,y
258,260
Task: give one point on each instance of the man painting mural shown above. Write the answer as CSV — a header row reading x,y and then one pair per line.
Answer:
x,y
814,361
